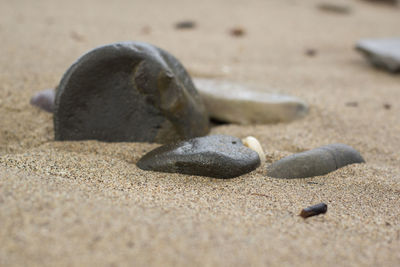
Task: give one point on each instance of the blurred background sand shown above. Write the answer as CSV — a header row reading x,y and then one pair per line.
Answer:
x,y
86,203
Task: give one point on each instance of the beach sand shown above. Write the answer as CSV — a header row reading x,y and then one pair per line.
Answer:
x,y
87,204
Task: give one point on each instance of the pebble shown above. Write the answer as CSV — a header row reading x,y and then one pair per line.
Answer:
x,y
236,103
252,143
186,24
383,53
317,209
338,8
237,32
218,156
390,2
315,162
128,91
44,100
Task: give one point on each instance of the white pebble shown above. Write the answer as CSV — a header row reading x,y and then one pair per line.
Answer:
x,y
252,143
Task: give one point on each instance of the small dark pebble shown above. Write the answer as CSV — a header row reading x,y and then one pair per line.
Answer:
x,y
352,104
387,106
334,8
237,32
186,24
317,209
311,52
389,2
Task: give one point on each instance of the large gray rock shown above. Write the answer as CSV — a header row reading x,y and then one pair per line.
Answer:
x,y
232,102
218,156
128,91
383,53
315,162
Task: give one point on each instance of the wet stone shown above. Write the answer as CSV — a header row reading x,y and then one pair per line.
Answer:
x,y
382,53
236,103
218,156
44,100
128,91
315,162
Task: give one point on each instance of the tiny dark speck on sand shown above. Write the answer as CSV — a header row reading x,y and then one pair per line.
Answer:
x,y
237,32
314,210
352,104
311,52
387,106
186,24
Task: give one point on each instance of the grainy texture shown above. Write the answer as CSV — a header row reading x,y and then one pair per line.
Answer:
x,y
86,203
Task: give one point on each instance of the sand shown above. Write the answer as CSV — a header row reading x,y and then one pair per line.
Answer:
x,y
87,204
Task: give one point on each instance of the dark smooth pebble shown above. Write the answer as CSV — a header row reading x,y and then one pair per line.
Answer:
x,y
317,209
186,24
218,156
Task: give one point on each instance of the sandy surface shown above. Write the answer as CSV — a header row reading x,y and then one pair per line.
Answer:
x,y
86,203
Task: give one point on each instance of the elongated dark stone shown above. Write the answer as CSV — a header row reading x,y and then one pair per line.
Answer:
x,y
218,156
318,161
314,210
128,91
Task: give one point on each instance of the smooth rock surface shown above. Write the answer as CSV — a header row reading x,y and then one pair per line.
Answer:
x,y
315,162
44,100
218,156
128,91
383,53
232,102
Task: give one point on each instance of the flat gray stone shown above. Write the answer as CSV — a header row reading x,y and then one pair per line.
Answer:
x,y
315,162
236,103
337,7
44,100
382,53
128,91
218,156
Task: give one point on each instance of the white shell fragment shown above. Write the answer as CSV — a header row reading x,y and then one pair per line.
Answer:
x,y
252,143
236,103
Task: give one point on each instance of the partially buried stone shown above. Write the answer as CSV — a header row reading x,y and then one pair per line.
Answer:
x,y
232,102
218,156
44,100
339,7
315,162
128,91
383,53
